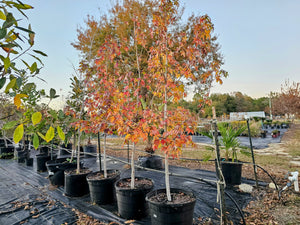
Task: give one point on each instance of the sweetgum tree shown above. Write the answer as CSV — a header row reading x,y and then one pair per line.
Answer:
x,y
149,57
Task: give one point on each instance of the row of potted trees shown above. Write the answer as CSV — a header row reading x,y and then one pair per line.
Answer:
x,y
129,83
127,87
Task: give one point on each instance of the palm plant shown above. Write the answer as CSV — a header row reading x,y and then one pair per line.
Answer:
x,y
229,139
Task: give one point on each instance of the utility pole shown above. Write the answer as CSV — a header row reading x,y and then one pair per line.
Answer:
x,y
270,105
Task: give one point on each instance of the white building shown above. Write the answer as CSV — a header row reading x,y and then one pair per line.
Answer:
x,y
243,115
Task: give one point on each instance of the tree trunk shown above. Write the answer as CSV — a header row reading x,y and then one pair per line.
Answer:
x,y
78,153
104,158
167,178
132,167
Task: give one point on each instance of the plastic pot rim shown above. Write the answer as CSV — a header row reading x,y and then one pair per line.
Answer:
x,y
173,190
135,189
118,172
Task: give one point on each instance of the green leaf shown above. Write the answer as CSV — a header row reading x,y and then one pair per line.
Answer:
x,y
10,85
33,67
26,64
36,141
53,113
61,114
160,107
52,93
18,133
11,45
206,158
22,6
50,134
41,53
10,20
6,62
24,29
2,15
9,125
38,59
19,82
61,134
41,135
2,82
36,118
2,33
143,103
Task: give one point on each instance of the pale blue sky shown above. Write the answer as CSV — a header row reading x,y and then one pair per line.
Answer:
x,y
260,39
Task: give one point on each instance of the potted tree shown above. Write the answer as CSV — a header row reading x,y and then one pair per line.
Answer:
x,y
102,114
56,167
157,56
6,145
75,179
179,58
116,88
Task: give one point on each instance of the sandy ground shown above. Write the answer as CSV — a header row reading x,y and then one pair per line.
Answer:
x,y
281,149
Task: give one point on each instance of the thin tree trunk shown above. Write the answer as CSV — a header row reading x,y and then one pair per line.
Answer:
x,y
78,152
99,152
104,157
132,167
74,147
167,178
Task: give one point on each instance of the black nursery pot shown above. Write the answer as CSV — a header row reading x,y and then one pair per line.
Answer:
x,y
56,169
89,149
76,184
41,160
131,202
20,155
2,142
232,172
9,149
102,190
44,150
163,213
29,161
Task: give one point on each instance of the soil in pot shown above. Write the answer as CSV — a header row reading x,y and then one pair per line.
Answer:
x,y
102,189
76,185
56,169
177,212
131,202
41,160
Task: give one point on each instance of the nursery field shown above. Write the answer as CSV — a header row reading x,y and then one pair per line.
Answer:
x,y
27,198
279,158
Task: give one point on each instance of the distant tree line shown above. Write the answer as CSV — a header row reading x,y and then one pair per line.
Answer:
x,y
286,102
227,103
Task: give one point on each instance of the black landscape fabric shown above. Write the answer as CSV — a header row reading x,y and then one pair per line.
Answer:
x,y
26,196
